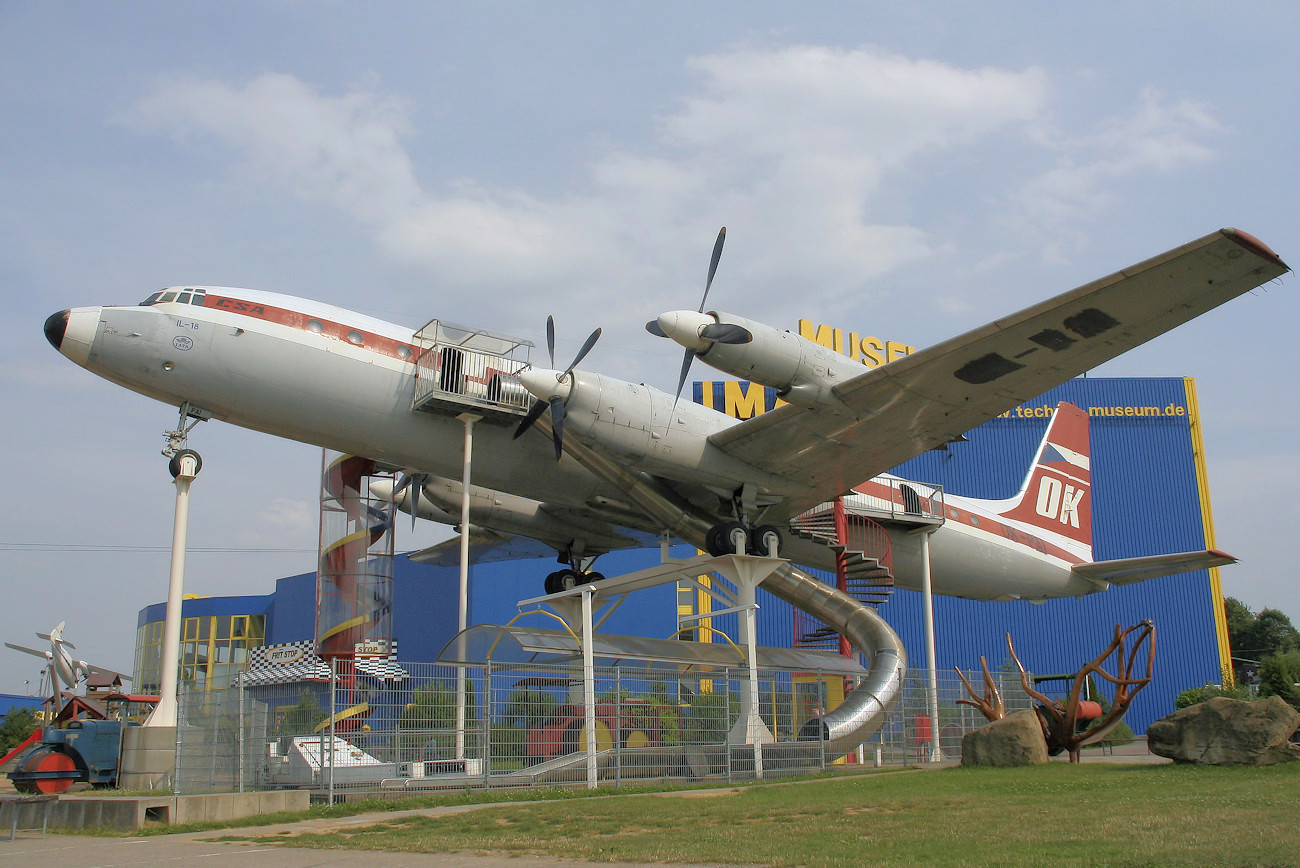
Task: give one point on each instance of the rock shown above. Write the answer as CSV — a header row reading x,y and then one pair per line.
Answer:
x,y
1225,732
1016,740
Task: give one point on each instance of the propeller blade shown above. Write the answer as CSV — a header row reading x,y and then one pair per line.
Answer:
x,y
726,333
557,426
686,369
582,353
550,338
713,264
655,329
417,488
415,482
534,413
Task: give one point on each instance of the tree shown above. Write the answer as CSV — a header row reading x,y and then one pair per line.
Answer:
x,y
1278,676
18,723
1254,636
527,708
303,717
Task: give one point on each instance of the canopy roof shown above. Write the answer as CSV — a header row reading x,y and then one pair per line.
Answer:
x,y
515,644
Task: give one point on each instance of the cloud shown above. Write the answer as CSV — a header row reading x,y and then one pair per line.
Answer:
x,y
1159,136
345,149
797,146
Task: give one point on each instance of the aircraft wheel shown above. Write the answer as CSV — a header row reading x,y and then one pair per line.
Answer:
x,y
551,585
765,541
594,576
724,539
567,580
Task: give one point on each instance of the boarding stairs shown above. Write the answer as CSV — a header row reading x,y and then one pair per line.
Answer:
x,y
859,536
863,558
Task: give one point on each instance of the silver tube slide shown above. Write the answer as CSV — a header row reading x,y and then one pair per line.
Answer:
x,y
863,713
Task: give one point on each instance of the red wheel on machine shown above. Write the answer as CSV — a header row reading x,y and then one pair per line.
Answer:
x,y
51,761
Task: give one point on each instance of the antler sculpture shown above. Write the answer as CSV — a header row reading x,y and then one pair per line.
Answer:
x,y
990,705
1060,720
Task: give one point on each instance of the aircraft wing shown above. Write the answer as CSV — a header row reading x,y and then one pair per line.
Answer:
x,y
485,546
1130,571
900,410
44,655
488,546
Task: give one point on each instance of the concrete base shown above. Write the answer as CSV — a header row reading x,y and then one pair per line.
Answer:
x,y
128,813
148,758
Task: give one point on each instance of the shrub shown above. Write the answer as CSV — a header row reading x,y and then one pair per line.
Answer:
x,y
1199,694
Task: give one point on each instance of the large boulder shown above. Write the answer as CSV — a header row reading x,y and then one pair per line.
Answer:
x,y
1225,732
1016,740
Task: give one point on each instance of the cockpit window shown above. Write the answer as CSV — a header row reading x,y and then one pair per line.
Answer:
x,y
192,296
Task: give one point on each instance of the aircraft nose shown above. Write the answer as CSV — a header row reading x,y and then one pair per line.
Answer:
x,y
56,325
72,332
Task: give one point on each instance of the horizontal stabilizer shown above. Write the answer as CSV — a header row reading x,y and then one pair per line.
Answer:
x,y
1129,571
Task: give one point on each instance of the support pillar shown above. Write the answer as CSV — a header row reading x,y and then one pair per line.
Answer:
x,y
462,617
184,467
932,673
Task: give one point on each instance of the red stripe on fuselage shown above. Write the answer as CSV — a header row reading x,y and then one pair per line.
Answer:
x,y
985,523
377,343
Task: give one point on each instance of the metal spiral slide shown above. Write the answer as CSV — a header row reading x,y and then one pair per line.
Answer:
x,y
864,711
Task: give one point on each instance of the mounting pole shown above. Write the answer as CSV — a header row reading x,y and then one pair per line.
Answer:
x,y
462,622
932,674
184,467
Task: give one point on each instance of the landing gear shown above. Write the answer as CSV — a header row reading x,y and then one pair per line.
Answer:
x,y
734,537
568,579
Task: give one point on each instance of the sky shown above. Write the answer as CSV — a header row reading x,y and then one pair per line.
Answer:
x,y
908,170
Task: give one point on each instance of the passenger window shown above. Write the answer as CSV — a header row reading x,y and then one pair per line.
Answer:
x,y
354,337
404,351
315,325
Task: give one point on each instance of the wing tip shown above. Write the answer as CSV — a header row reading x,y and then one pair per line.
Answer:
x,y
1254,245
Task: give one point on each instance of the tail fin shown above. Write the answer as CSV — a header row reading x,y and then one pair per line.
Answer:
x,y
1056,496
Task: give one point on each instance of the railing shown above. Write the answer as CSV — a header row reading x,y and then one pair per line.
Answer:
x,y
889,498
453,375
523,728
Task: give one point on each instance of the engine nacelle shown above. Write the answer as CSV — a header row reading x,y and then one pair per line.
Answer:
x,y
801,371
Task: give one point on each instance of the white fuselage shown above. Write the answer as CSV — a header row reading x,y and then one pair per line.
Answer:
x,y
338,379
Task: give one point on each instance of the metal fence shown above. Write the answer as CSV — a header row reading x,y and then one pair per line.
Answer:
x,y
357,736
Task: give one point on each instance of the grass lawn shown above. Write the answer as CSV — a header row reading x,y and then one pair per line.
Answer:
x,y
1057,814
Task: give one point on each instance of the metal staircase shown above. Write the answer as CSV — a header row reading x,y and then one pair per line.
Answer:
x,y
865,562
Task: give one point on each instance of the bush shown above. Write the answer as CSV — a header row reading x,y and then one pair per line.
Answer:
x,y
1198,695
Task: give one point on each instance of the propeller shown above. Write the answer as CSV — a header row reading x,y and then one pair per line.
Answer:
x,y
698,332
415,482
552,388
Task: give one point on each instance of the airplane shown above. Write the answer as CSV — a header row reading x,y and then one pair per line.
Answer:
x,y
631,462
69,670
1031,546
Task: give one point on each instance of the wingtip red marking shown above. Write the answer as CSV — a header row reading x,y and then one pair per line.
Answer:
x,y
1254,245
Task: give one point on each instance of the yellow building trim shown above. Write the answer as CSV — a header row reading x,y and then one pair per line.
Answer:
x,y
1207,520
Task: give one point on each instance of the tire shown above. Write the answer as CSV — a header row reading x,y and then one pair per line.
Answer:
x,y
720,540
765,541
